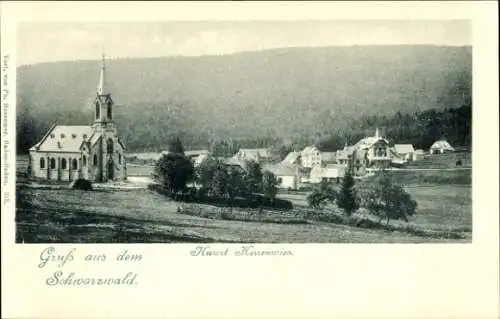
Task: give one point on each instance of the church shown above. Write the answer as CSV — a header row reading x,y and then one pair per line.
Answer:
x,y
93,152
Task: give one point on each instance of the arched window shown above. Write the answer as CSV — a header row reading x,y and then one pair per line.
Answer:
x,y
95,159
110,112
84,160
119,158
52,163
97,110
63,163
42,162
75,163
110,146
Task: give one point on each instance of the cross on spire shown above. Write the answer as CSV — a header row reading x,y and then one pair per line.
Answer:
x,y
101,89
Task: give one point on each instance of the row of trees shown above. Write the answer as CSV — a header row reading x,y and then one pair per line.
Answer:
x,y
420,129
380,196
174,171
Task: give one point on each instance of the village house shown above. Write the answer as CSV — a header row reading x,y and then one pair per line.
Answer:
x,y
310,157
440,147
419,155
258,155
197,157
194,154
328,158
233,162
70,152
406,151
292,158
370,153
289,176
329,173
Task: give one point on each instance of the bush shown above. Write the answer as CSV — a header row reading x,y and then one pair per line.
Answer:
x,y
174,171
81,184
321,195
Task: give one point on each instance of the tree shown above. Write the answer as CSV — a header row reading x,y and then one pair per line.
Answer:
x,y
219,185
237,184
205,172
253,177
347,197
388,201
269,185
321,195
174,170
175,146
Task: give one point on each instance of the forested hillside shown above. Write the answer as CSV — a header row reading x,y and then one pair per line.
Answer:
x,y
293,96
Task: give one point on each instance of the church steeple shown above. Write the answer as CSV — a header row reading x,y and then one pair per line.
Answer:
x,y
101,89
103,102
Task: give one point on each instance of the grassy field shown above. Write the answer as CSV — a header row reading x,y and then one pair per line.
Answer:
x,y
64,215
140,215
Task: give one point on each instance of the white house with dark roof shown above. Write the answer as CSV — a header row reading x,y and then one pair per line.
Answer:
x,y
69,152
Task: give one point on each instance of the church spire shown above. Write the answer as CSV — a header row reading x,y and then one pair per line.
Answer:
x,y
101,89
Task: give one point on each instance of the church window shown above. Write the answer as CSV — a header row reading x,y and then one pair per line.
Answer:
x,y
97,111
75,163
63,163
52,163
119,158
110,146
110,115
84,160
73,135
84,135
95,159
42,162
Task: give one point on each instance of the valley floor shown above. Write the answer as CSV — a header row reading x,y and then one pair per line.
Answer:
x,y
138,215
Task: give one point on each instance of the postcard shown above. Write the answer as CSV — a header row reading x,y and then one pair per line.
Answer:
x,y
250,159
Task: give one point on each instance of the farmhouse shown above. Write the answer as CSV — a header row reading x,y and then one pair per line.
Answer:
x,y
441,146
69,152
406,151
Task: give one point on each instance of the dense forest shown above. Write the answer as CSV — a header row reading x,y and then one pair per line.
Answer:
x,y
282,98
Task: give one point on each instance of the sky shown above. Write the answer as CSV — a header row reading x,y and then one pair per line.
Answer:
x,y
48,42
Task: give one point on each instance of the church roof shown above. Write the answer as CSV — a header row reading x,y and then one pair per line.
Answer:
x,y
64,138
68,138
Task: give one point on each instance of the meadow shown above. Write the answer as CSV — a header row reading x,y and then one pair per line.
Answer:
x,y
64,215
